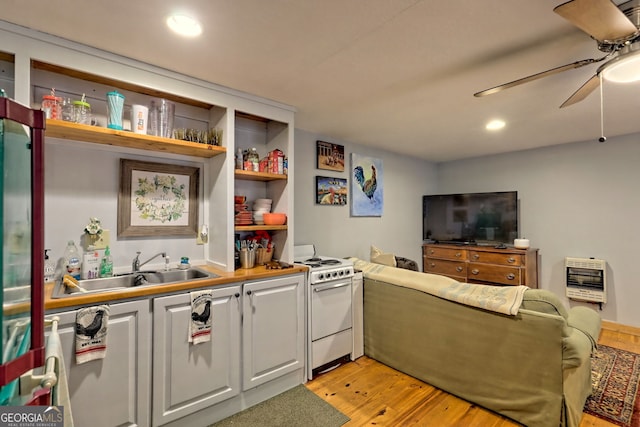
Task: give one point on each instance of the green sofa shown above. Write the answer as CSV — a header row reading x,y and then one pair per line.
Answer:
x,y
533,367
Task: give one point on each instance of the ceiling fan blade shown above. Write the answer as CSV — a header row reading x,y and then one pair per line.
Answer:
x,y
585,90
537,76
601,19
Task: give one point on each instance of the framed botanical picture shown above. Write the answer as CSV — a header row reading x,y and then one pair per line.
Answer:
x,y
157,199
331,191
330,156
366,186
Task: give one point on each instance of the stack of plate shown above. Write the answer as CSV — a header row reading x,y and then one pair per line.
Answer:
x,y
260,206
243,214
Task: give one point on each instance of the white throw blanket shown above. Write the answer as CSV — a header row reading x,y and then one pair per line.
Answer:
x,y
501,299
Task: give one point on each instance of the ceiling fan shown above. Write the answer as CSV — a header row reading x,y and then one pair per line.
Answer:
x,y
615,28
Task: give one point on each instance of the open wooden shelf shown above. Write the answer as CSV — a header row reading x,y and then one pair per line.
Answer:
x,y
121,138
258,176
260,227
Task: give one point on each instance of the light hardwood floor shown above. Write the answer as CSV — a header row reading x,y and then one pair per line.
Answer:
x,y
371,393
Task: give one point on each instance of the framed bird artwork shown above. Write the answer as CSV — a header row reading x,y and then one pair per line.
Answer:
x,y
367,178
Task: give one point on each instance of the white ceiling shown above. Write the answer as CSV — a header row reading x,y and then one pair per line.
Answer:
x,y
394,74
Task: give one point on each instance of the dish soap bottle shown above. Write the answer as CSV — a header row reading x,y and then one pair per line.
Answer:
x,y
106,264
72,260
49,267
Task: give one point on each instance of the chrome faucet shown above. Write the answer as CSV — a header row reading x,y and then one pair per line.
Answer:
x,y
136,264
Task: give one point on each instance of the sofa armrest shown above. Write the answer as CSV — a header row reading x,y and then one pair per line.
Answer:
x,y
587,321
576,349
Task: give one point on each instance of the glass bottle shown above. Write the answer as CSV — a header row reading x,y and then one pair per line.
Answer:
x,y
72,260
254,159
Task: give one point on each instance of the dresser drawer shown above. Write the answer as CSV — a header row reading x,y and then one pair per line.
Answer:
x,y
446,253
446,268
495,274
496,258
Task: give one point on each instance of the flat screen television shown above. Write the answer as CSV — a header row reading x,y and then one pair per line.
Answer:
x,y
471,218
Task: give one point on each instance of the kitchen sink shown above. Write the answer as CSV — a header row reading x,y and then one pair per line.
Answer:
x,y
131,280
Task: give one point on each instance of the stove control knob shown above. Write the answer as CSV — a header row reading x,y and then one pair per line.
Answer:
x,y
320,276
335,274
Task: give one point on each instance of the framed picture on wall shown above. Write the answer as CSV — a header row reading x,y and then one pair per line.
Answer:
x,y
330,156
366,186
157,199
331,191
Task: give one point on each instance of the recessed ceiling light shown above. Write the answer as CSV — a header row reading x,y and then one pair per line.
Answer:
x,y
184,25
495,125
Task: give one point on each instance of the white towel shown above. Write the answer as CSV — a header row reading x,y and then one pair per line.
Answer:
x,y
91,333
60,392
201,316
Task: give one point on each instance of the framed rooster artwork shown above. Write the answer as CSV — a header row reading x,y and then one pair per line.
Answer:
x,y
366,186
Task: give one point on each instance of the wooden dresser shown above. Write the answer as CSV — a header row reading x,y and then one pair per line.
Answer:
x,y
482,264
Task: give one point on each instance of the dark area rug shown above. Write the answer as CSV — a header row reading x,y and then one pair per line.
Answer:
x,y
615,375
293,408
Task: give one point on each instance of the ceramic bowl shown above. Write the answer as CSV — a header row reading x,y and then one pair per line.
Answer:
x,y
274,218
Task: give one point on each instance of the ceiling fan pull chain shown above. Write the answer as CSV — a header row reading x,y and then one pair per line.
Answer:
x,y
602,137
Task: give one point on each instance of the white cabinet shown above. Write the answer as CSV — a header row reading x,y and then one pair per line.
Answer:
x,y
114,391
273,329
189,377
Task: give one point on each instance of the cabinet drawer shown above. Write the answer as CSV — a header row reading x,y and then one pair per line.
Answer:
x,y
446,268
496,258
446,253
495,274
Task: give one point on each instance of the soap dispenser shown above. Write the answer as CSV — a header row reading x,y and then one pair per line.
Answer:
x,y
106,265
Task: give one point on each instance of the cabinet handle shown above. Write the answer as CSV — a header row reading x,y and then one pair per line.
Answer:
x,y
459,269
475,271
249,292
511,260
476,256
511,276
237,295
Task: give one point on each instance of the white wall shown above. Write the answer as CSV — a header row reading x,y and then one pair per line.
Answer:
x,y
82,181
578,200
331,228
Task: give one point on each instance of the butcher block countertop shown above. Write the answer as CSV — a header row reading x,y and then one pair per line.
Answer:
x,y
240,275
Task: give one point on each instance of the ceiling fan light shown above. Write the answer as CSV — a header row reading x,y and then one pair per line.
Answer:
x,y
626,70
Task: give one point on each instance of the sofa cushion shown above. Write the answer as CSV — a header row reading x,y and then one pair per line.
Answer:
x,y
379,257
406,263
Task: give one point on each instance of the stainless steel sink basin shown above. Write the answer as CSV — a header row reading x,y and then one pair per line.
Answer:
x,y
126,281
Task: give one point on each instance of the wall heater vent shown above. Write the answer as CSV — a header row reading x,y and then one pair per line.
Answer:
x,y
586,279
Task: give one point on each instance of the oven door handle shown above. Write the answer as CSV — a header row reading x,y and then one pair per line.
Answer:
x,y
332,286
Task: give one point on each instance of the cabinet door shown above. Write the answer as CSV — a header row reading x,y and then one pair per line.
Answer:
x,y
114,391
188,377
273,329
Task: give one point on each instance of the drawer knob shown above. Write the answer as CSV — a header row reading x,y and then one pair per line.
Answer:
x,y
476,256
475,271
432,265
511,276
511,260
432,252
459,269
458,255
